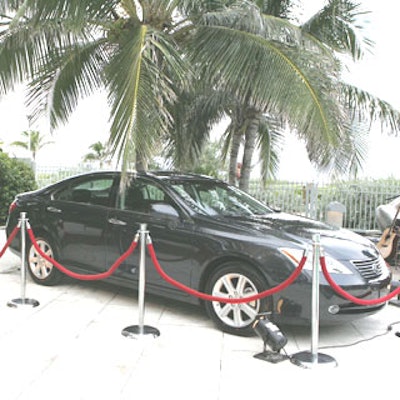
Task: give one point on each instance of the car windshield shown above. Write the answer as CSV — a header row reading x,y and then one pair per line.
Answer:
x,y
217,199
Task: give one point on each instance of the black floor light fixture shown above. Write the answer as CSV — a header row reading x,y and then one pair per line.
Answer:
x,y
272,337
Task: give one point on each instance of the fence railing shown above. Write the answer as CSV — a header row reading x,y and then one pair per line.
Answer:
x,y
46,175
312,199
359,198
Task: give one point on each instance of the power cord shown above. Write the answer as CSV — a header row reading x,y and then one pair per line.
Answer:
x,y
388,329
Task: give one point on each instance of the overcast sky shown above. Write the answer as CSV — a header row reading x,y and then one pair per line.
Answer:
x,y
377,73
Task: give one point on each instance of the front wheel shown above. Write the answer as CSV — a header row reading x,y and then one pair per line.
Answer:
x,y
236,280
41,270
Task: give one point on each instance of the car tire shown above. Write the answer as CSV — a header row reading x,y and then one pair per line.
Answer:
x,y
41,270
236,279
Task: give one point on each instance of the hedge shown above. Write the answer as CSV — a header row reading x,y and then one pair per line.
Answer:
x,y
15,177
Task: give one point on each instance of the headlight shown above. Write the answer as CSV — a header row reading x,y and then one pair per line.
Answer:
x,y
332,265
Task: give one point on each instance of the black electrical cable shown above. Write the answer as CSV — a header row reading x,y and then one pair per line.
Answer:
x,y
388,329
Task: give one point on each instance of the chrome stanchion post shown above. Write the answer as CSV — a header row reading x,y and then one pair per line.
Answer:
x,y
312,358
315,300
136,331
23,301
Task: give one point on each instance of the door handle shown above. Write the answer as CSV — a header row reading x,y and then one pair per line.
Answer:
x,y
54,210
118,222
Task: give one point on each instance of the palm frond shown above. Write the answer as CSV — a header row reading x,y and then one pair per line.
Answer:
x,y
140,97
270,142
195,115
64,80
29,46
365,107
337,26
269,79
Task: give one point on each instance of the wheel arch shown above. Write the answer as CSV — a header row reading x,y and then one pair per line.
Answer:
x,y
44,274
234,319
214,264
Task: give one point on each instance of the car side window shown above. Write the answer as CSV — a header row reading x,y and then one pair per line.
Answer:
x,y
95,191
140,196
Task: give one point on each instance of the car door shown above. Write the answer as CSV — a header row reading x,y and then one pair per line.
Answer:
x,y
80,214
147,203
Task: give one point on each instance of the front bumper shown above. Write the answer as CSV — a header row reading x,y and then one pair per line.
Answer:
x,y
293,306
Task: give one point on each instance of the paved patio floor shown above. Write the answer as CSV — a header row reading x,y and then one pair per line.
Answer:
x,y
71,347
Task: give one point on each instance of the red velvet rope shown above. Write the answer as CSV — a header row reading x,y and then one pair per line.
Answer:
x,y
348,296
208,297
10,239
84,277
194,292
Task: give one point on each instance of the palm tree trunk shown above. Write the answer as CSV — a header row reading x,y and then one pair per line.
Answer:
x,y
233,157
141,162
249,148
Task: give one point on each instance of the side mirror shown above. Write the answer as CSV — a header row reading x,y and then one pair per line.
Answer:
x,y
164,209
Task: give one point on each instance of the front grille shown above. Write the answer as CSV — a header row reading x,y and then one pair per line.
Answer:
x,y
370,269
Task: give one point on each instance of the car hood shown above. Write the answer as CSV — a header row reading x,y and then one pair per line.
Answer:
x,y
285,230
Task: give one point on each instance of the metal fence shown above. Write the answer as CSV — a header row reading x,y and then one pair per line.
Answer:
x,y
313,199
46,175
359,199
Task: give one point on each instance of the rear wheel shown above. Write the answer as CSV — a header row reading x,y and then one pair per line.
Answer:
x,y
236,280
41,270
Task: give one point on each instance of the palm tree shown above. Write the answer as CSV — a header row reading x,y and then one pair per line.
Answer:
x,y
331,30
123,46
33,142
144,53
100,153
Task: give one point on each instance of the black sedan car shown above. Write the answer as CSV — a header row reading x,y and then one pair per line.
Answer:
x,y
207,235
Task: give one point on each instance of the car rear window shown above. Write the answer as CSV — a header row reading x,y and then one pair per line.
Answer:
x,y
95,191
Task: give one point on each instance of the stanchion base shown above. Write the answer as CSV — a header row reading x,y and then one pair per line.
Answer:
x,y
271,356
395,303
307,359
136,331
23,302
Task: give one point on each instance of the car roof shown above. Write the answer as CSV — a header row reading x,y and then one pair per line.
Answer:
x,y
174,175
162,175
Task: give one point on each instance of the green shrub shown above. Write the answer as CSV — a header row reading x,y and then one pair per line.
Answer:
x,y
15,177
